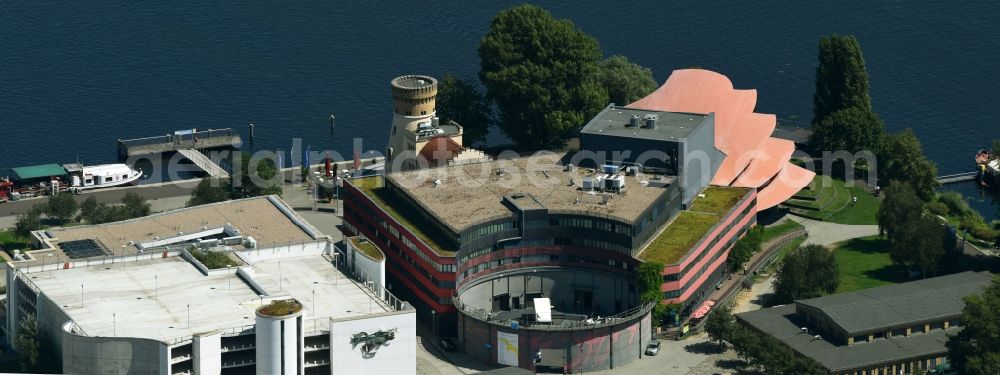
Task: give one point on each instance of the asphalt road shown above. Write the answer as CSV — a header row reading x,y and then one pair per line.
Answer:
x,y
110,195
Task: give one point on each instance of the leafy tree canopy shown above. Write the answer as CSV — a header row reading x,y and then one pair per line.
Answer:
x,y
902,159
209,190
808,272
61,207
841,78
541,72
900,205
625,81
29,221
851,129
461,101
975,350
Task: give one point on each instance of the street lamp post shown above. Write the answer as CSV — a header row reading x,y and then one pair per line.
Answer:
x,y
230,277
189,315
434,323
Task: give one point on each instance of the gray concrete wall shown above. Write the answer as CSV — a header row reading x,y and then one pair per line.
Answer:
x,y
112,355
699,160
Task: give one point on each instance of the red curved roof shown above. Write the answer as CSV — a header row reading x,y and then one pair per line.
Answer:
x,y
753,158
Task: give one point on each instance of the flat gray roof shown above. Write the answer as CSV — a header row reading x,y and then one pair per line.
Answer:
x,y
267,219
902,304
471,193
778,322
670,126
150,298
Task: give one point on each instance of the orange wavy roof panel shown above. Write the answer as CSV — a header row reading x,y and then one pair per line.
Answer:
x,y
753,158
789,181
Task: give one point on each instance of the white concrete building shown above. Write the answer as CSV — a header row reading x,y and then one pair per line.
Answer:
x,y
284,309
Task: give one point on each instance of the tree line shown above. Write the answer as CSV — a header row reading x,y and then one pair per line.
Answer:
x,y
62,209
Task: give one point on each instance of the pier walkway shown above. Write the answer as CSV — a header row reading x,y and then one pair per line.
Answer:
x,y
213,169
958,177
196,140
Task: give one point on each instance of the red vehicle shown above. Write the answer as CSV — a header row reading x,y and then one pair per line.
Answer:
x,y
5,189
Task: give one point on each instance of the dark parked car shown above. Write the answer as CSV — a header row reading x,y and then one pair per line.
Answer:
x,y
447,345
653,347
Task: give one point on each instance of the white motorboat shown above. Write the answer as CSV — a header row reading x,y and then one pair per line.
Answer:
x,y
100,176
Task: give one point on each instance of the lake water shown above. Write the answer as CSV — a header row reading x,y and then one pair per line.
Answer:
x,y
76,76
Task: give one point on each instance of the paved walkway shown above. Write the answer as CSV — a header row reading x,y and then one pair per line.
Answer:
x,y
824,233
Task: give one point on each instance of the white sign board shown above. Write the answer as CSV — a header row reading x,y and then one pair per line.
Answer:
x,y
543,310
507,348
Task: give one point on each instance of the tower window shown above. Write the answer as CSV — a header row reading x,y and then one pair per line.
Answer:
x,y
423,112
408,113
393,130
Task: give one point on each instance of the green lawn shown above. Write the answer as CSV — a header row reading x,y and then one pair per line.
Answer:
x,y
678,237
833,202
777,230
864,263
366,247
718,199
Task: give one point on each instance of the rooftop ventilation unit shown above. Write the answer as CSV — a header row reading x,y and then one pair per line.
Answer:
x,y
605,198
650,122
436,183
589,183
610,169
435,121
633,121
500,171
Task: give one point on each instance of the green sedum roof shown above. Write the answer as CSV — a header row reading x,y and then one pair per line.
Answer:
x,y
38,171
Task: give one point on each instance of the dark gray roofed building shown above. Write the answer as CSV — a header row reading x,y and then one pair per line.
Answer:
x,y
892,329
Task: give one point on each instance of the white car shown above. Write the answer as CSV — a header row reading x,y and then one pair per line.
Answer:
x,y
653,347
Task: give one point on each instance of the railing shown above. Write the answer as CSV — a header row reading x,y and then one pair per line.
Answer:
x,y
771,252
619,318
178,139
372,285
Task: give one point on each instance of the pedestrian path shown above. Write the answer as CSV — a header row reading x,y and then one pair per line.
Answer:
x,y
825,233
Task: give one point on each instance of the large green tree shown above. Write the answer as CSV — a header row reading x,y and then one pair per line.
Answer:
x,y
29,221
975,350
541,72
625,81
841,78
135,205
745,248
650,280
720,324
28,343
900,205
209,190
808,272
257,177
770,356
902,159
61,207
461,101
851,129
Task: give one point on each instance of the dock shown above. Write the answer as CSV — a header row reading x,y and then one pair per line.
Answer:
x,y
958,177
202,161
181,140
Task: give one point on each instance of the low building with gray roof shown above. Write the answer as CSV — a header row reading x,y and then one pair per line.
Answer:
x,y
890,329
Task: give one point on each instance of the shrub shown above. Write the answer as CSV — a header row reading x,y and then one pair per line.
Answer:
x,y
938,208
955,202
212,260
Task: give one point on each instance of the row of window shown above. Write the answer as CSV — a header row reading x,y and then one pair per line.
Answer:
x,y
486,230
701,271
406,241
580,222
712,244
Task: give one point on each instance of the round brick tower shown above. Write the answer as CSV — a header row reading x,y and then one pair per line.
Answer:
x,y
413,98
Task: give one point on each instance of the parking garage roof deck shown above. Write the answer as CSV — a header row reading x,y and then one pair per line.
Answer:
x,y
150,298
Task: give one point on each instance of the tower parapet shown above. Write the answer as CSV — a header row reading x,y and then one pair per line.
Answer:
x,y
413,95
